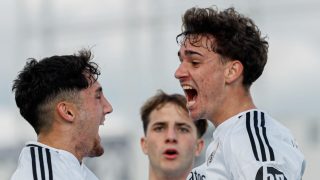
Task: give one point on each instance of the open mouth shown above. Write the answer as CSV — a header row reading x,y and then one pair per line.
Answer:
x,y
191,94
170,152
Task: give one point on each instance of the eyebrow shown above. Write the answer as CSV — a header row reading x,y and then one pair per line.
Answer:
x,y
189,53
158,124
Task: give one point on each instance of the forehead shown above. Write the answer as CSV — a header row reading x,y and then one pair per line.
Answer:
x,y
198,41
93,88
170,113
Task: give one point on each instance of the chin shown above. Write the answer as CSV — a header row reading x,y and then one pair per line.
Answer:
x,y
195,116
97,150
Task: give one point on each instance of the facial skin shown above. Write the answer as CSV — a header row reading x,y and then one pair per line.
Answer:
x,y
212,83
202,75
92,110
171,143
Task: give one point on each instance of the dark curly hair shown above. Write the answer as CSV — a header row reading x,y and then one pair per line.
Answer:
x,y
43,82
161,99
236,37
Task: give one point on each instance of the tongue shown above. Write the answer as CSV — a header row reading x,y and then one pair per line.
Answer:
x,y
190,103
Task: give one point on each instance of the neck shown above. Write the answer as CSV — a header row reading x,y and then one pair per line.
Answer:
x,y
60,140
234,104
164,177
167,176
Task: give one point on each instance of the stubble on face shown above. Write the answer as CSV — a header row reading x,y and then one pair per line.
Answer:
x,y
97,149
90,144
94,149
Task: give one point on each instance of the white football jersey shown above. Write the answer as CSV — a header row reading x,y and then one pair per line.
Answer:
x,y
251,146
41,162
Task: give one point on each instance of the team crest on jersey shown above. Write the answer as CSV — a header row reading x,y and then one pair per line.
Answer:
x,y
210,158
271,173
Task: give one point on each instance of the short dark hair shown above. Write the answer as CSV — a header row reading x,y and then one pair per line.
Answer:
x,y
42,82
159,100
236,37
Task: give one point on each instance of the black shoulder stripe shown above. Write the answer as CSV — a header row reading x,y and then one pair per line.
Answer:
x,y
263,151
253,145
41,163
42,160
34,167
265,137
49,164
258,136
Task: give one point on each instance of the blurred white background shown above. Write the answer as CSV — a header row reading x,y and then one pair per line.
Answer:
x,y
134,44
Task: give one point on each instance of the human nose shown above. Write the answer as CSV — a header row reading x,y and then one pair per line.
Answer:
x,y
171,136
181,71
107,107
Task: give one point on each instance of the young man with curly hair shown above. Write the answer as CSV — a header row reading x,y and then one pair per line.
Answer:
x,y
222,53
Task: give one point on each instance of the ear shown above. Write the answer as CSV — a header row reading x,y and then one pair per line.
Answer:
x,y
233,71
66,111
200,144
144,145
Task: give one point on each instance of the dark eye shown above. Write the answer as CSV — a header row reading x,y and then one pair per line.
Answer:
x,y
184,129
158,128
195,62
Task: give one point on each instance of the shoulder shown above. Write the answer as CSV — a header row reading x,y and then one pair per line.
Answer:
x,y
257,141
256,133
250,137
39,162
33,160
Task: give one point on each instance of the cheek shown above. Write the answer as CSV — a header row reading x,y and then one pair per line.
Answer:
x,y
152,144
212,83
189,144
94,113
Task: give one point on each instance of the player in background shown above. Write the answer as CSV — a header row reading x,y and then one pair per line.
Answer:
x,y
172,139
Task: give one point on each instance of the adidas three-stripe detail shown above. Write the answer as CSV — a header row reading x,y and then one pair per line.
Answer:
x,y
255,124
39,162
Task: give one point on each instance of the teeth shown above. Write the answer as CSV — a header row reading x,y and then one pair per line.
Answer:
x,y
191,97
186,87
